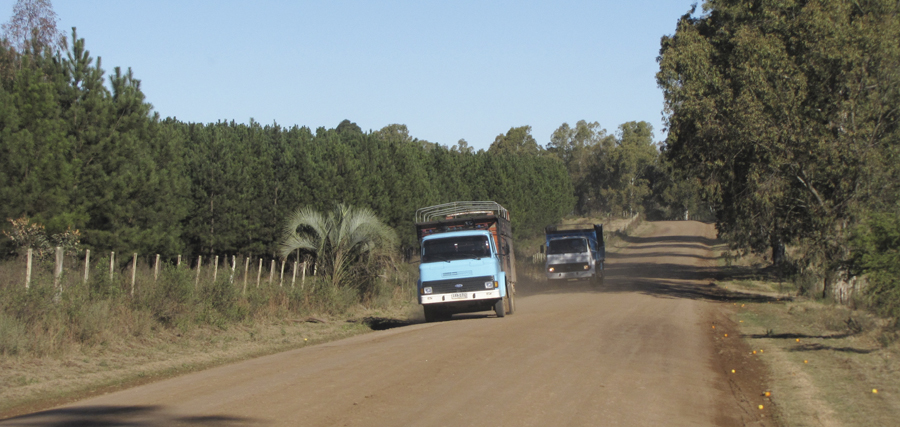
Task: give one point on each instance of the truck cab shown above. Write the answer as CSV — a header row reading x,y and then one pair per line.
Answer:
x,y
575,253
467,264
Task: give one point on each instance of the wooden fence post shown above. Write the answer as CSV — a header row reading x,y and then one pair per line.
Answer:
x,y
281,280
178,263
156,269
112,265
259,274
57,274
246,268
303,275
233,266
272,272
133,272
87,264
216,269
28,268
199,263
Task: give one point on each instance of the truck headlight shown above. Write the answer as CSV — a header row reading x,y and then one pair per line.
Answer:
x,y
587,267
426,290
551,269
489,284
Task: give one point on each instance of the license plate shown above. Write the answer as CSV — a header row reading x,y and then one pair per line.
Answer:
x,y
458,296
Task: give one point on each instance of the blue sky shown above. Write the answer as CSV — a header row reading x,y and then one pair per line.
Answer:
x,y
447,70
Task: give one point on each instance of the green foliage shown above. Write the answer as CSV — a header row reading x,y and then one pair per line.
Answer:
x,y
620,174
26,234
347,243
80,150
36,322
786,113
876,254
517,140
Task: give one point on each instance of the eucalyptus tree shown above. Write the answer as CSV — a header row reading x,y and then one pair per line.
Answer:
x,y
33,23
787,113
517,140
580,148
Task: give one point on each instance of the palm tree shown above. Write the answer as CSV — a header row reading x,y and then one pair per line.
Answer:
x,y
345,240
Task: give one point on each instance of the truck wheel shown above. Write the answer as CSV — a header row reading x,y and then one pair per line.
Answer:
x,y
511,299
431,314
499,308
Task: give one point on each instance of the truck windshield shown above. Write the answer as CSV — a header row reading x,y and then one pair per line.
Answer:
x,y
454,248
567,246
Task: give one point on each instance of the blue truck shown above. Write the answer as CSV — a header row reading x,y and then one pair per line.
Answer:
x,y
467,259
574,252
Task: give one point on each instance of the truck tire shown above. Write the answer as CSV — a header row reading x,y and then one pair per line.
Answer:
x,y
597,280
431,314
511,299
499,308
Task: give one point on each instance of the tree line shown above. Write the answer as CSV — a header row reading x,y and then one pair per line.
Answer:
x,y
786,114
84,155
78,154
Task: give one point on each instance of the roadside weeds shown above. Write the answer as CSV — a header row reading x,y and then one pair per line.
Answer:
x,y
828,365
32,384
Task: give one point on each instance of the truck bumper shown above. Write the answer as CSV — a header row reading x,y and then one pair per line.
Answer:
x,y
460,297
571,275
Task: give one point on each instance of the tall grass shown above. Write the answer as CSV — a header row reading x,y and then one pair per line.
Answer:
x,y
40,321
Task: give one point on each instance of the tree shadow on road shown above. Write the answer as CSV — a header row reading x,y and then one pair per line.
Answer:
x,y
635,271
136,415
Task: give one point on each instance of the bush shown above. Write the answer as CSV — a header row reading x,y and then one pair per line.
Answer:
x,y
876,253
39,322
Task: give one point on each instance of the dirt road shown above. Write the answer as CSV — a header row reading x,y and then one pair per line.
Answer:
x,y
636,352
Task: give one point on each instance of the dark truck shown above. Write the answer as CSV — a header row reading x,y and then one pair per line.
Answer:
x,y
575,252
468,263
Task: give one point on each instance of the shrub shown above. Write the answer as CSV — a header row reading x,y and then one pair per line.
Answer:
x,y
876,254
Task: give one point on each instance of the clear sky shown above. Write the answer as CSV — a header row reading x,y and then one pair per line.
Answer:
x,y
449,70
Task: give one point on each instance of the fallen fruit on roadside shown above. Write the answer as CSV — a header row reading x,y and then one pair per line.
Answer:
x,y
768,393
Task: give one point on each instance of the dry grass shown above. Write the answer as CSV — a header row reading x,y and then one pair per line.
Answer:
x,y
97,336
824,360
33,383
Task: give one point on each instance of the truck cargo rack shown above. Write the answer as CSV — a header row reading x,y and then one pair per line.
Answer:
x,y
551,229
455,209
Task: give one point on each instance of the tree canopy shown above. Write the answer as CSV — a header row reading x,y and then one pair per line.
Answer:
x,y
786,112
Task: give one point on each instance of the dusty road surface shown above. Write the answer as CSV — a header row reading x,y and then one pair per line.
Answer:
x,y
634,352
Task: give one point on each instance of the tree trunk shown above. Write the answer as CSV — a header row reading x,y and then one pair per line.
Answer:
x,y
777,251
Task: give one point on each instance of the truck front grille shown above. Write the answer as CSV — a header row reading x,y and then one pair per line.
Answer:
x,y
467,284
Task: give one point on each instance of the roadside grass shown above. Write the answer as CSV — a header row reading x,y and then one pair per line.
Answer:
x,y
96,336
829,364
